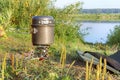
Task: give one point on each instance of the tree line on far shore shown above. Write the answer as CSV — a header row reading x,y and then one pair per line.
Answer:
x,y
108,10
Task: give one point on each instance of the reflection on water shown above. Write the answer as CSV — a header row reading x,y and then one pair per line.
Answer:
x,y
97,32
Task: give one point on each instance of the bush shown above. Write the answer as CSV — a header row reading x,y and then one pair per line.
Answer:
x,y
113,37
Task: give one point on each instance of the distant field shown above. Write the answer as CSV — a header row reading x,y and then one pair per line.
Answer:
x,y
97,17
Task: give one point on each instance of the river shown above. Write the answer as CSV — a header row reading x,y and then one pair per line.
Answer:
x,y
97,31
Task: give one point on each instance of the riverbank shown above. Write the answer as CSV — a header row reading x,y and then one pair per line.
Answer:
x,y
97,17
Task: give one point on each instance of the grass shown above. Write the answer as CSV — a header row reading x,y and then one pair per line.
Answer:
x,y
60,66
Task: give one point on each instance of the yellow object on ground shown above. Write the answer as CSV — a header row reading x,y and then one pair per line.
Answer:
x,y
2,32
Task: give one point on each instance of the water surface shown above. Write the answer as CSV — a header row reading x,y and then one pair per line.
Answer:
x,y
97,31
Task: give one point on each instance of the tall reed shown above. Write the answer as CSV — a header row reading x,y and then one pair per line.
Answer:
x,y
12,57
70,67
87,71
63,56
104,70
3,67
90,68
100,71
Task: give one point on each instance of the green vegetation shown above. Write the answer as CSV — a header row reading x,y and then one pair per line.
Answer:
x,y
113,37
97,17
15,21
16,16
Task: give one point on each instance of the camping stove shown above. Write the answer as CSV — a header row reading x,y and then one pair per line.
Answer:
x,y
42,34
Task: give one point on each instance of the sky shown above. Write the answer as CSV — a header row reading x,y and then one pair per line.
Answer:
x,y
90,4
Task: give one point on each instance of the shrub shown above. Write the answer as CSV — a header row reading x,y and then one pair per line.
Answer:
x,y
113,37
